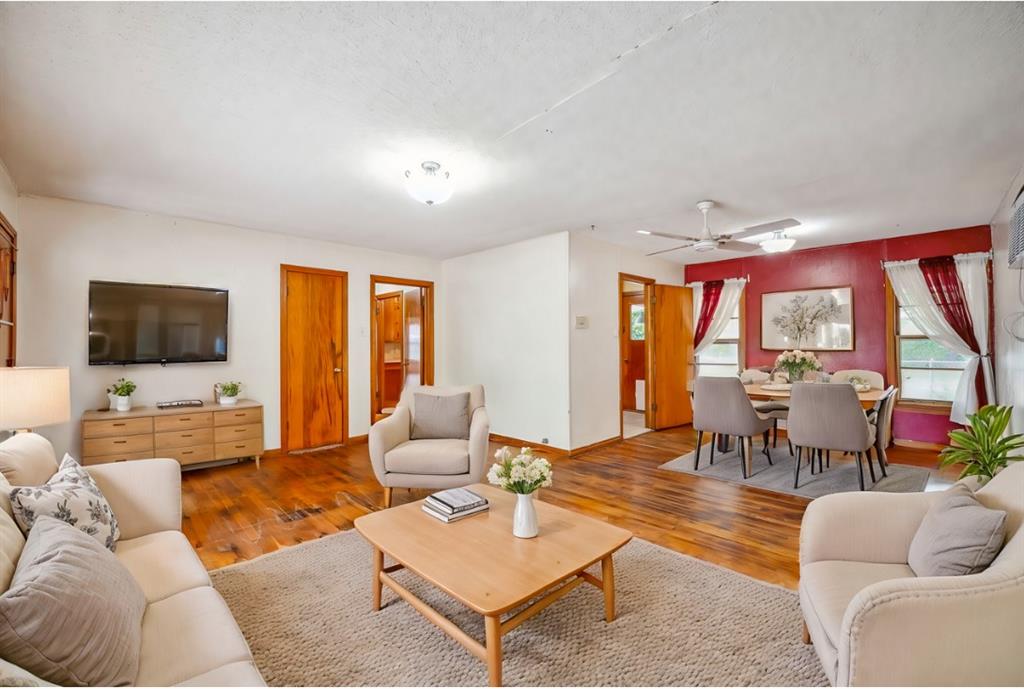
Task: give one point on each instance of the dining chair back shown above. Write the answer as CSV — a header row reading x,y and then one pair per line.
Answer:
x,y
873,378
883,423
828,416
721,407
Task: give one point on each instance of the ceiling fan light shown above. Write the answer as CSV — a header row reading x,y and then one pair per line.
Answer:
x,y
706,245
778,243
429,185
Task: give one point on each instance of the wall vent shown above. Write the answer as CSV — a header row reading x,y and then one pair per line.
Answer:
x,y
1017,232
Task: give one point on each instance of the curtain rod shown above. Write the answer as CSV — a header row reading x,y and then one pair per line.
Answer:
x,y
987,254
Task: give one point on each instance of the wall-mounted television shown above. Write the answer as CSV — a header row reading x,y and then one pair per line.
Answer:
x,y
156,324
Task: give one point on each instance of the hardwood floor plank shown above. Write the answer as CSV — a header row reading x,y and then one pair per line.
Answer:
x,y
235,512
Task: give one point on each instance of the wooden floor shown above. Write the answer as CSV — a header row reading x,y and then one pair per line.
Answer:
x,y
236,512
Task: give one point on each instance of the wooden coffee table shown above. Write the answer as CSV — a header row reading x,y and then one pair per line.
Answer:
x,y
482,565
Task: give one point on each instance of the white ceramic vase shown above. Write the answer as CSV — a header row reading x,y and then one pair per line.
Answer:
x,y
226,401
123,403
524,519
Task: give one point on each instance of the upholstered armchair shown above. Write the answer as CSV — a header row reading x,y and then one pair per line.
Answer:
x,y
434,463
873,622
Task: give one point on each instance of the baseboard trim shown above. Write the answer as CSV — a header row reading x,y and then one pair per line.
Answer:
x,y
519,442
358,439
918,444
594,446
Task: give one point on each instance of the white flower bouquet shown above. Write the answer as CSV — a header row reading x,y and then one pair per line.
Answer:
x,y
796,363
521,473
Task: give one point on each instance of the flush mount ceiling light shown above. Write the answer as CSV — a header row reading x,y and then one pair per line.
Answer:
x,y
778,242
429,185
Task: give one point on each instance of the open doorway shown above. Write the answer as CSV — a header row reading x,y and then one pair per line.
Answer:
x,y
635,361
401,339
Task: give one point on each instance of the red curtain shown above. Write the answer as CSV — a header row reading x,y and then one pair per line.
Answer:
x,y
708,304
947,292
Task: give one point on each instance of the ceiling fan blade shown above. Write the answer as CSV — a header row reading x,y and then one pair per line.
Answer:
x,y
675,248
745,247
668,235
763,228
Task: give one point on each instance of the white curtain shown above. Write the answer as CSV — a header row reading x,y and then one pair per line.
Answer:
x,y
972,269
913,295
727,302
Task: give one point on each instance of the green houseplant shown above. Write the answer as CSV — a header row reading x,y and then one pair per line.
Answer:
x,y
120,394
229,392
983,447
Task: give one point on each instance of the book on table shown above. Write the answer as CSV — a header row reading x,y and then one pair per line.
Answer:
x,y
455,500
449,518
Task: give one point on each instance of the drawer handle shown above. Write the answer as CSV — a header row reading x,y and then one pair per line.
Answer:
x,y
118,424
186,435
241,413
120,442
187,452
239,447
185,418
239,430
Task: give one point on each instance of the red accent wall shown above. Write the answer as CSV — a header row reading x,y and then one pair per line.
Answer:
x,y
857,265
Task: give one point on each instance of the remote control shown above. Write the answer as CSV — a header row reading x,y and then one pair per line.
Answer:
x,y
179,403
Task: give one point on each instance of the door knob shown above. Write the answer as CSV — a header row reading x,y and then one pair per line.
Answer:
x,y
337,370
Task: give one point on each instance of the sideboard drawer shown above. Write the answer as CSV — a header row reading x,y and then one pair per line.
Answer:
x,y
182,421
184,438
190,455
105,429
129,444
224,434
106,459
241,448
233,417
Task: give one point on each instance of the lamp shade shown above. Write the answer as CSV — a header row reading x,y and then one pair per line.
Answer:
x,y
31,397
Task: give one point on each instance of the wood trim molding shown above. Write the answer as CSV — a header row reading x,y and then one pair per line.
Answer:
x,y
918,444
519,442
359,439
648,292
936,408
594,446
428,331
283,354
8,232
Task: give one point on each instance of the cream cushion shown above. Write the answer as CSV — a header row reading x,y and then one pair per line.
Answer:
x,y
13,676
73,614
11,541
240,674
441,416
163,564
440,457
186,635
27,459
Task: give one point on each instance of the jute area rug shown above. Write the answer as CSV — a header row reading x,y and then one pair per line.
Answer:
x,y
305,611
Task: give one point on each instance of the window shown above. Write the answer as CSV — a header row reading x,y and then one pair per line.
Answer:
x,y
722,357
928,371
636,321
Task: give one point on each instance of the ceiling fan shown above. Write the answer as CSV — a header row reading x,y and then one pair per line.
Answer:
x,y
709,242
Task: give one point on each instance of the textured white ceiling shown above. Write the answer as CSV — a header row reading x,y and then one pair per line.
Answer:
x,y
862,120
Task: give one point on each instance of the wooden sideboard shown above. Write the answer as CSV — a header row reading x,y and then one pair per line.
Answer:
x,y
191,435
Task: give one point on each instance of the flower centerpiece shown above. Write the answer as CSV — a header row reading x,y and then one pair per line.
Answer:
x,y
796,363
521,474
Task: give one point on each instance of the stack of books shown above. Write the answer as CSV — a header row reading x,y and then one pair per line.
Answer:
x,y
453,505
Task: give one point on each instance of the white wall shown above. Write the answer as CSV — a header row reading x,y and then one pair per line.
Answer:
x,y
64,244
594,268
1008,302
505,320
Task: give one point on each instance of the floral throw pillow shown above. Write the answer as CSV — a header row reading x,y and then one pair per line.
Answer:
x,y
71,496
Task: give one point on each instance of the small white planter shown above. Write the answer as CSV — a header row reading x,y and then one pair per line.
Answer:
x,y
226,401
122,403
524,519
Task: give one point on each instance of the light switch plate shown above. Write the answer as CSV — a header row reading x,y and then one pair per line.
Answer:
x,y
582,322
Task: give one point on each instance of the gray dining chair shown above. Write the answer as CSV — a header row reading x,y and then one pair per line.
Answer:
x,y
881,420
721,407
873,378
828,416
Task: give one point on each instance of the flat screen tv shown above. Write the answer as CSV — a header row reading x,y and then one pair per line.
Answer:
x,y
156,324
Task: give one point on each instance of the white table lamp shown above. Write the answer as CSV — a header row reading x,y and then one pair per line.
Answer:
x,y
34,396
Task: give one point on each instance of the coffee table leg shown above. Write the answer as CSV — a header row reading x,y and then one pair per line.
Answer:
x,y
378,565
608,585
492,626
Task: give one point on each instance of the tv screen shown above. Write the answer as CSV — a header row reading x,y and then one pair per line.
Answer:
x,y
156,324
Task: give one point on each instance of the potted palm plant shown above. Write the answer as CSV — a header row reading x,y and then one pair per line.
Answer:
x,y
983,447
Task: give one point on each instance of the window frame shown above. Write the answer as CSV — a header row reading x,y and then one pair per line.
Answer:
x,y
739,341
894,366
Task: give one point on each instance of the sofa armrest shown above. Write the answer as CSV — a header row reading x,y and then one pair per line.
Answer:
x,y
479,437
864,527
144,494
932,631
385,435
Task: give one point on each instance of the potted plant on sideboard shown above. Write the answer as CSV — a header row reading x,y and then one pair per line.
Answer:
x,y
120,394
227,393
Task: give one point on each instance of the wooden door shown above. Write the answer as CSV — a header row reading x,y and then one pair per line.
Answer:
x,y
672,331
634,350
390,349
314,353
7,291
412,333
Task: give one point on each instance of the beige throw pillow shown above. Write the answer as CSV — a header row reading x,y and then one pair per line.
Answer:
x,y
73,614
441,416
958,536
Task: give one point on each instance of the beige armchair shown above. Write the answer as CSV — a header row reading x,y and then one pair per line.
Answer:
x,y
435,463
873,622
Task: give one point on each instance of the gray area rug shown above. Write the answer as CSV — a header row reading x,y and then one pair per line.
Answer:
x,y
305,611
839,478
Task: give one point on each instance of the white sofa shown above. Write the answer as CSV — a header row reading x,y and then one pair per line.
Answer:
x,y
189,637
873,622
